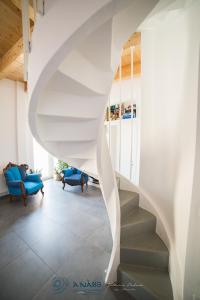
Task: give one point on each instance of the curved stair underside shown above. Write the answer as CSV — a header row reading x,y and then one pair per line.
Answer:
x,y
70,76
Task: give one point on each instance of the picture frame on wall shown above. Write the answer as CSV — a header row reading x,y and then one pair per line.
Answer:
x,y
126,112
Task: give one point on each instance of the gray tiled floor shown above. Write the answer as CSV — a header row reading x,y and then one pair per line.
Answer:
x,y
52,243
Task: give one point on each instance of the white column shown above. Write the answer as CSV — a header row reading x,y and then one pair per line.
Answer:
x,y
131,152
24,137
109,125
120,112
26,35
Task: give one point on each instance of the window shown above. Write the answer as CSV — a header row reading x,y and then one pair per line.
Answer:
x,y
42,160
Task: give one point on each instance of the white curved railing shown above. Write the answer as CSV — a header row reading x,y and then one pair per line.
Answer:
x,y
107,180
57,91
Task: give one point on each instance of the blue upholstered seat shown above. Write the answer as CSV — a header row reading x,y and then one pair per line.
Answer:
x,y
13,174
32,187
21,184
74,177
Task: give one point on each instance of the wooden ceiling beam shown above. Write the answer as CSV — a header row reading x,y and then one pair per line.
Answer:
x,y
18,4
126,71
126,56
2,75
12,7
134,40
14,72
12,55
10,25
127,51
12,62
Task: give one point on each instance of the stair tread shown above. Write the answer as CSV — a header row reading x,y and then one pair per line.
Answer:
x,y
147,242
156,281
126,196
138,215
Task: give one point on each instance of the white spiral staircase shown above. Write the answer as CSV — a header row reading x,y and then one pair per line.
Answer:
x,y
75,49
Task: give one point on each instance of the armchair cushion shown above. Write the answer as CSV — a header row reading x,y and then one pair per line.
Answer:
x,y
67,172
22,172
76,171
9,176
74,179
32,187
34,177
14,187
14,183
13,174
15,191
16,173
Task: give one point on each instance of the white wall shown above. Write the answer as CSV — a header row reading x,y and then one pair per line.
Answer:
x,y
168,127
16,140
8,122
122,160
192,266
24,136
43,161
130,89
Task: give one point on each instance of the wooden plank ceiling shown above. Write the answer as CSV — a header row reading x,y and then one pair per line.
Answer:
x,y
11,43
134,40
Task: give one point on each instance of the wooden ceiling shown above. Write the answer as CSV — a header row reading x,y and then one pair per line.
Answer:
x,y
11,43
10,25
133,41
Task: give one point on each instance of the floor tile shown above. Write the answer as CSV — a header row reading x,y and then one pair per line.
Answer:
x,y
87,262
65,236
23,278
55,251
84,224
102,238
11,246
32,230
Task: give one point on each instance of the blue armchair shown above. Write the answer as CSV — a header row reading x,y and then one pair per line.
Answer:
x,y
20,183
74,177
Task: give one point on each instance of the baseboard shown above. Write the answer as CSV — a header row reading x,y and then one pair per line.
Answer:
x,y
2,195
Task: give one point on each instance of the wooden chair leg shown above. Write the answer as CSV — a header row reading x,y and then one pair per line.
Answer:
x,y
63,185
82,186
42,192
23,192
24,198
